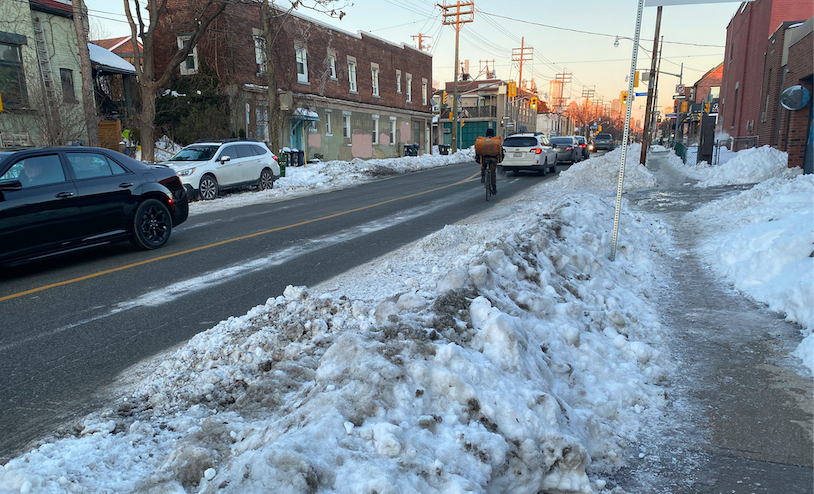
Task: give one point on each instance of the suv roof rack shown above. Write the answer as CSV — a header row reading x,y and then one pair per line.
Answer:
x,y
223,141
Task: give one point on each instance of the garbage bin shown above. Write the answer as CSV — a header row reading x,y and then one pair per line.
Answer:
x,y
443,149
298,157
411,150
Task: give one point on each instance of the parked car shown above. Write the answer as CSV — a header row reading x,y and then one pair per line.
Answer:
x,y
583,146
603,141
568,150
59,199
207,167
529,152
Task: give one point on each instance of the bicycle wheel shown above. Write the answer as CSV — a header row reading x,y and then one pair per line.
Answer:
x,y
488,182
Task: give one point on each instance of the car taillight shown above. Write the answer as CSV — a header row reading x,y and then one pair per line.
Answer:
x,y
582,145
538,150
275,157
569,148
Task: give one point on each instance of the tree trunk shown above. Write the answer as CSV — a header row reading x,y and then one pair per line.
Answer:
x,y
147,122
86,73
274,105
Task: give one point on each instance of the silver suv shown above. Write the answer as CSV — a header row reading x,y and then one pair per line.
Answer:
x,y
209,166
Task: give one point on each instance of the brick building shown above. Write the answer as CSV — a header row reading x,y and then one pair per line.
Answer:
x,y
789,62
747,38
121,46
343,95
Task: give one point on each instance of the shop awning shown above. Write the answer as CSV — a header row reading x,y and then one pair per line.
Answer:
x,y
305,114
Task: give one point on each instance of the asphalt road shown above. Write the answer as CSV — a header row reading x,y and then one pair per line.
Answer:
x,y
71,325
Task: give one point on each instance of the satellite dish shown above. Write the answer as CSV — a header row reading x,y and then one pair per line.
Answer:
x,y
795,98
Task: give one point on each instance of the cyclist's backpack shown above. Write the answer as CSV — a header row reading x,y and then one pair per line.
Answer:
x,y
489,146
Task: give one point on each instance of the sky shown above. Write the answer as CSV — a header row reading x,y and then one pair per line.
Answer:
x,y
693,35
443,366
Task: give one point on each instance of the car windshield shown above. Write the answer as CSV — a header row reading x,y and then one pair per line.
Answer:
x,y
603,136
195,153
561,140
520,142
581,140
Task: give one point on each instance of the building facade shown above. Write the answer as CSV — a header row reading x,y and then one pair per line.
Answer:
x,y
342,95
40,79
747,38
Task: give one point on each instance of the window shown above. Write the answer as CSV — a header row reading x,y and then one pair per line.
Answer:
x,y
328,123
374,74
409,88
190,65
261,115
66,77
302,62
12,78
375,129
416,133
37,170
332,63
345,125
398,81
93,165
424,92
259,51
352,74
392,131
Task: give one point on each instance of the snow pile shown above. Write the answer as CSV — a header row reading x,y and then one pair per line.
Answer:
x,y
748,166
165,148
763,244
520,364
602,172
331,175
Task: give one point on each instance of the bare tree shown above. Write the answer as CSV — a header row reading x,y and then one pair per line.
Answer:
x,y
202,13
273,23
80,11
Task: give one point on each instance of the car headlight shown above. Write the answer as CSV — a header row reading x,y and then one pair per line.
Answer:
x,y
186,173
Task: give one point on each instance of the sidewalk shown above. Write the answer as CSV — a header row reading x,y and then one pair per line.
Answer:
x,y
740,418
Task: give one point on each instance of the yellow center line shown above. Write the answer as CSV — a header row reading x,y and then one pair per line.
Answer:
x,y
222,242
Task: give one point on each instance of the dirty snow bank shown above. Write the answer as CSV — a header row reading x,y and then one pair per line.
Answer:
x,y
518,362
749,166
602,172
762,241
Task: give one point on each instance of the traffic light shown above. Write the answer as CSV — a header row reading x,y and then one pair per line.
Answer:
x,y
450,116
706,107
636,79
624,98
533,102
443,99
463,122
512,89
683,107
599,129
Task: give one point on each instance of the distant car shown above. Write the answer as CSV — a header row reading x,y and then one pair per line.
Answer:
x,y
209,166
529,152
603,141
60,199
568,150
583,146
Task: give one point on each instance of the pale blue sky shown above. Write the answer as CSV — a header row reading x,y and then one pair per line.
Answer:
x,y
592,59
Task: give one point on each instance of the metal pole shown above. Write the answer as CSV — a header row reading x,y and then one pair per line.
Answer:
x,y
678,107
455,93
651,90
627,129
656,88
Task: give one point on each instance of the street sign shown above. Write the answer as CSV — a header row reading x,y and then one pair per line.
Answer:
x,y
642,94
680,88
594,127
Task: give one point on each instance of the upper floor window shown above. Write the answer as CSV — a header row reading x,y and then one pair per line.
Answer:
x,y
190,65
424,92
374,74
409,87
398,81
12,77
332,63
68,92
259,50
352,73
302,62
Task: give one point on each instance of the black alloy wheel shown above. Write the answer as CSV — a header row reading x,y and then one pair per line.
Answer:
x,y
152,225
266,180
208,188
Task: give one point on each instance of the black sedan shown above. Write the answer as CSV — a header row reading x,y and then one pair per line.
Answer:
x,y
568,150
54,200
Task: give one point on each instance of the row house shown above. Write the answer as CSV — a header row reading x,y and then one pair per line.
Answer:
x,y
701,98
747,37
343,95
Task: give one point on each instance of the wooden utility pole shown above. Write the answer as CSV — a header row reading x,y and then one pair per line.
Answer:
x,y
651,92
522,54
421,37
457,15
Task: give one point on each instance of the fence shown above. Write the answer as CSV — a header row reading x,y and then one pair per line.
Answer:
x,y
722,151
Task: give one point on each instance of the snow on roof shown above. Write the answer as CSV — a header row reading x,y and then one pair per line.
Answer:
x,y
109,61
306,113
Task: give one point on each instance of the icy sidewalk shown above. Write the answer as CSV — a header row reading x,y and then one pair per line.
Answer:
x,y
740,417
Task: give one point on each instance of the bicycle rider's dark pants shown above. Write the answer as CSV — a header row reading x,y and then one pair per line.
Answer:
x,y
491,162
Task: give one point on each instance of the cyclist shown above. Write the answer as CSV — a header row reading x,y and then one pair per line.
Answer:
x,y
489,152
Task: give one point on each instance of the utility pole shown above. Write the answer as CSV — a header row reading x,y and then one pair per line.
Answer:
x,y
421,37
677,109
651,92
522,54
656,86
457,15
